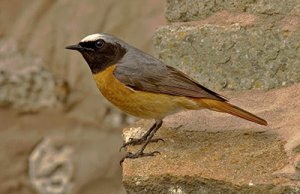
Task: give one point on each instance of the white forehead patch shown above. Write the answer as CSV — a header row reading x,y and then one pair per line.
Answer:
x,y
92,37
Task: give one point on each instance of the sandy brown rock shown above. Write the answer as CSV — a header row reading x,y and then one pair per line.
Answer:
x,y
214,152
24,83
94,159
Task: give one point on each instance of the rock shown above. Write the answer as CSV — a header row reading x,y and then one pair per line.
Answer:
x,y
233,51
50,168
211,152
24,83
84,157
199,9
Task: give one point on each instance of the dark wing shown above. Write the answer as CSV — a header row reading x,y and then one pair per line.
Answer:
x,y
160,78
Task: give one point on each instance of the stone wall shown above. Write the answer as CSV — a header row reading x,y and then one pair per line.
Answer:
x,y
191,10
220,41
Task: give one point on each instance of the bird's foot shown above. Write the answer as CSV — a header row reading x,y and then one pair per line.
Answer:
x,y
139,154
136,141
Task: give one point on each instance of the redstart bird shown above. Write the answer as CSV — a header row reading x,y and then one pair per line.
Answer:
x,y
145,87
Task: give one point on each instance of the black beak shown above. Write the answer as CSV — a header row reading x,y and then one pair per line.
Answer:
x,y
75,47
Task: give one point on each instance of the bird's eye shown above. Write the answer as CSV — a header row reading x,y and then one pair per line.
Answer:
x,y
99,43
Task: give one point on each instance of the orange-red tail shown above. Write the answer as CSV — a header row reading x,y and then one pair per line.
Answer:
x,y
231,109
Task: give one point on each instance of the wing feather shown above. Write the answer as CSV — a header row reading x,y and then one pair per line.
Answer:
x,y
160,78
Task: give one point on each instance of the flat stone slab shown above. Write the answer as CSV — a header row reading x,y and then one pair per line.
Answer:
x,y
210,152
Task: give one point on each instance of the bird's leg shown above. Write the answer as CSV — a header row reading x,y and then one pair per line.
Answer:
x,y
138,141
141,153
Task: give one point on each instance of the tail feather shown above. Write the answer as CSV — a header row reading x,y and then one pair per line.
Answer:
x,y
233,110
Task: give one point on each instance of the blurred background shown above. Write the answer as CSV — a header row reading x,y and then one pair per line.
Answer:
x,y
57,133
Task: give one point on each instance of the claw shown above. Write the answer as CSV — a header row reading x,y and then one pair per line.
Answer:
x,y
153,153
157,140
122,160
120,149
133,141
130,155
147,138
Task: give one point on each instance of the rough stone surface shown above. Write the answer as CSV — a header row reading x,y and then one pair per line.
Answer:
x,y
51,168
81,155
210,152
233,51
189,10
24,83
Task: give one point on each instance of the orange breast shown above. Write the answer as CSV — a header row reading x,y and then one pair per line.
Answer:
x,y
138,103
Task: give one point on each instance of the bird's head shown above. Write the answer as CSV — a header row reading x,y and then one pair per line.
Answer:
x,y
100,51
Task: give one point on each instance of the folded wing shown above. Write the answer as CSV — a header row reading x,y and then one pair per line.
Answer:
x,y
160,78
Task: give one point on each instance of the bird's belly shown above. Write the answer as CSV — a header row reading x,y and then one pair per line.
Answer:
x,y
141,104
137,103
